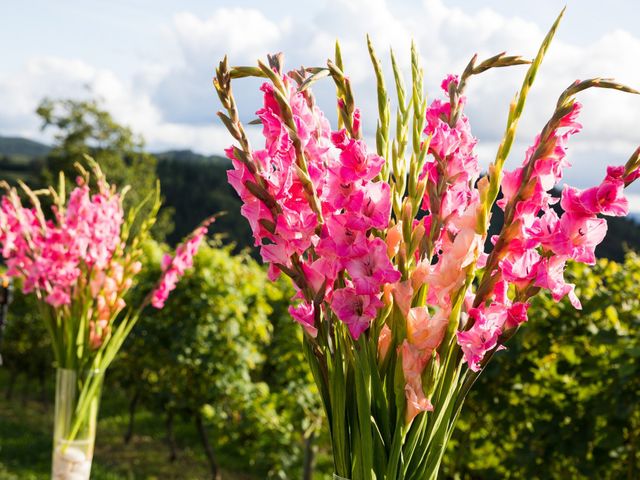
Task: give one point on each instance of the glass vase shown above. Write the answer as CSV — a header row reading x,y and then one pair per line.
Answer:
x,y
74,427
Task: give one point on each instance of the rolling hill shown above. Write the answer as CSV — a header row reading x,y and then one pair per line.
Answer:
x,y
10,146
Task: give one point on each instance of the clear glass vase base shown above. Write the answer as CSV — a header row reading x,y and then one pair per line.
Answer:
x,y
72,460
74,425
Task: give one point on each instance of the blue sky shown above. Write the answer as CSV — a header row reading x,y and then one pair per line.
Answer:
x,y
152,61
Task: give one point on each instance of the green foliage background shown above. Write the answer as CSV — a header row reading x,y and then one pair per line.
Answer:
x,y
199,357
561,402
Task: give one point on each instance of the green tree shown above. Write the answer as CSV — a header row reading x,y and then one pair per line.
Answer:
x,y
196,186
562,400
197,357
83,127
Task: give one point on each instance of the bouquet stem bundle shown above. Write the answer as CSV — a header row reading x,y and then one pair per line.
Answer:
x,y
401,306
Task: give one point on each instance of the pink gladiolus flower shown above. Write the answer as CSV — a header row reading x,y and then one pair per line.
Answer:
x,y
167,284
520,268
403,294
340,240
304,315
483,335
449,79
610,198
516,315
174,268
372,205
355,310
577,236
550,276
372,269
607,198
413,363
356,163
58,297
426,332
416,402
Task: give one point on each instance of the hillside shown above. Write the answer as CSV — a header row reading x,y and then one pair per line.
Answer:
x,y
190,156
19,152
10,146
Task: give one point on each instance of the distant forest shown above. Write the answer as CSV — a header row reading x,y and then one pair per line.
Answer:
x,y
194,186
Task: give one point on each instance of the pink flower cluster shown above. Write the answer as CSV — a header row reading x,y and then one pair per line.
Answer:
x,y
488,324
540,242
173,268
320,213
339,254
453,160
452,202
77,260
50,255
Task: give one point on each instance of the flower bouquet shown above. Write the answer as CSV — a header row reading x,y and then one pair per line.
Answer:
x,y
400,304
81,262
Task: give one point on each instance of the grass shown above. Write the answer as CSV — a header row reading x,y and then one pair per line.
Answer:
x,y
25,442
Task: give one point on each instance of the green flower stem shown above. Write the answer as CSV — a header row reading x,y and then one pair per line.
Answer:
x,y
416,432
439,419
384,111
337,390
90,391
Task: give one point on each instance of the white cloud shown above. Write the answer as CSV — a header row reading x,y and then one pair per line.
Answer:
x,y
130,103
173,104
237,31
45,76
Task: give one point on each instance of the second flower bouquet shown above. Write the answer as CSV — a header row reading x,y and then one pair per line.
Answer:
x,y
81,261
